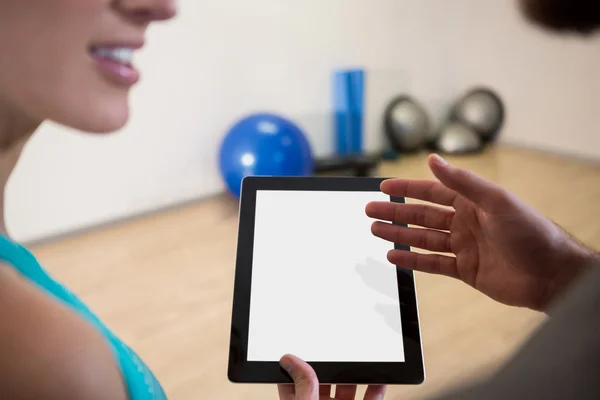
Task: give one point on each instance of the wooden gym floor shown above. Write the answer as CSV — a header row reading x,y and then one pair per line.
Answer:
x,y
164,282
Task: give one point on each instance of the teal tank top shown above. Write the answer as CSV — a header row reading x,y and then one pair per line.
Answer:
x,y
140,381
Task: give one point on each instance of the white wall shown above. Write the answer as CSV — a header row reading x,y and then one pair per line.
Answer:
x,y
551,83
223,58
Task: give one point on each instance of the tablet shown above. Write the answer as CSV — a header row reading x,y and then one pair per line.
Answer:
x,y
313,281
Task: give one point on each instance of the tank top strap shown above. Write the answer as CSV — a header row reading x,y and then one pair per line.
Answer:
x,y
140,381
28,266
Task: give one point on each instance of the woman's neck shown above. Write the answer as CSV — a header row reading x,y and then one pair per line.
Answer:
x,y
15,130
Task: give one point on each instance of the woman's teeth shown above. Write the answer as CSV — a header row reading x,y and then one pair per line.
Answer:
x,y
120,55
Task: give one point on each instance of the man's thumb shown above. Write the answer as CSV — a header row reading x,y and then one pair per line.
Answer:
x,y
480,191
305,378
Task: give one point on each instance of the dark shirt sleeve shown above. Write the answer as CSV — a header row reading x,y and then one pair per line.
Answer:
x,y
561,360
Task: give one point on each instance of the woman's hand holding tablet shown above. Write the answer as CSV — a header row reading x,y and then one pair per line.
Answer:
x,y
306,385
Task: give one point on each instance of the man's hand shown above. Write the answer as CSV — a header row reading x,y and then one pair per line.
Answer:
x,y
497,243
306,385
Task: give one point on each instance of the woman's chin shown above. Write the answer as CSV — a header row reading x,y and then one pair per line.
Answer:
x,y
104,127
102,121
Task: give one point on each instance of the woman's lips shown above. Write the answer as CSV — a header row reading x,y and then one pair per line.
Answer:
x,y
115,63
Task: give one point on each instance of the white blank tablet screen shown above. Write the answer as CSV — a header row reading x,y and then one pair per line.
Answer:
x,y
322,288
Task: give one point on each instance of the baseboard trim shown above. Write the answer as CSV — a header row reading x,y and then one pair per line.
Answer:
x,y
552,151
52,238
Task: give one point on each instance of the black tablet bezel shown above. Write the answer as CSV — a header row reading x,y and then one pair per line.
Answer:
x,y
240,370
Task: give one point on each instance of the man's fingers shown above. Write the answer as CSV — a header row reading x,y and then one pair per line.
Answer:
x,y
411,214
425,239
453,181
345,392
306,384
375,392
428,263
426,190
480,191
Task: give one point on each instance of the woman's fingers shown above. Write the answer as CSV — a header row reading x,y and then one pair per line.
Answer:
x,y
428,263
306,384
345,392
325,390
425,239
411,214
375,392
286,392
430,191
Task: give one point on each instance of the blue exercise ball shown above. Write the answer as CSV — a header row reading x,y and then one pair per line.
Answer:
x,y
264,144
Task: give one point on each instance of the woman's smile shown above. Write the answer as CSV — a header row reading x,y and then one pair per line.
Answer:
x,y
115,62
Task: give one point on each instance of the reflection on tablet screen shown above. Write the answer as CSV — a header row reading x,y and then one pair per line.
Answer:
x,y
322,288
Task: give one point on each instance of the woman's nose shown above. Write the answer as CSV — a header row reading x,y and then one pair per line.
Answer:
x,y
149,10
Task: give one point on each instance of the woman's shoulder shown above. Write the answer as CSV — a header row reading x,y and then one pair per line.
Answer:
x,y
48,351
23,276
